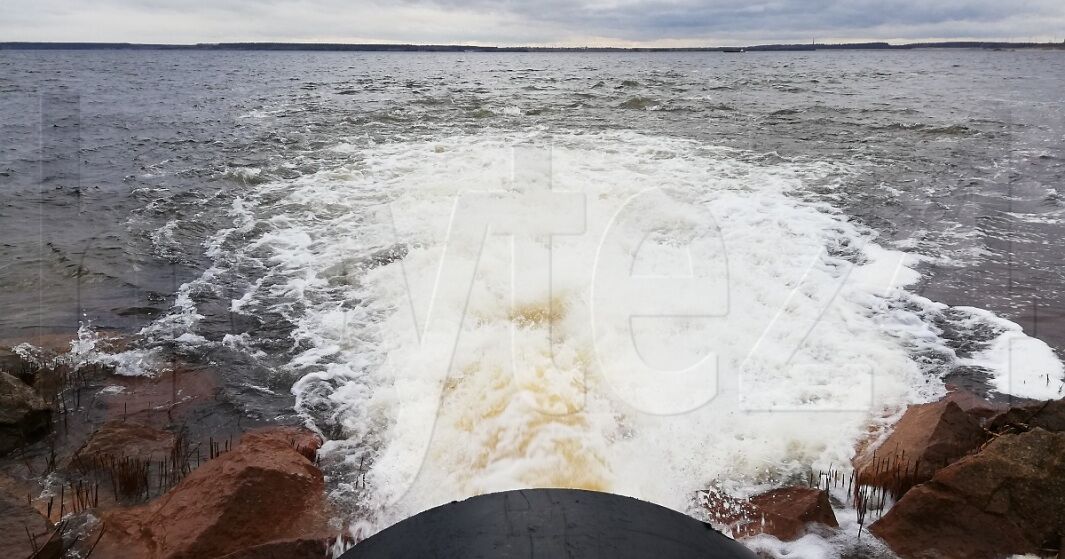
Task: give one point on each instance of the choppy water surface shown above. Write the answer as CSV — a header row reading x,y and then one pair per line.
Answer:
x,y
867,227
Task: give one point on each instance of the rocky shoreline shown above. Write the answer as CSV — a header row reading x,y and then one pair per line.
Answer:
x,y
96,464
109,466
959,478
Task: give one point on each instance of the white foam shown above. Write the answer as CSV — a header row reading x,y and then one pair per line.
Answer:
x,y
189,338
799,360
455,370
135,362
345,147
1050,218
31,353
84,350
1021,365
246,175
180,323
163,238
258,388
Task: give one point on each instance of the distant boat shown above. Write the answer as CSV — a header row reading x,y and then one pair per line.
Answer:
x,y
733,49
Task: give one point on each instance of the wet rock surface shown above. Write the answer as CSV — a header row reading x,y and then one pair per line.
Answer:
x,y
265,490
974,404
118,446
118,439
1049,415
1007,499
927,438
784,513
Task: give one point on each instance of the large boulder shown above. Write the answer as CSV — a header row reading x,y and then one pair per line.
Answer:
x,y
1049,415
24,416
265,490
785,513
927,438
1007,499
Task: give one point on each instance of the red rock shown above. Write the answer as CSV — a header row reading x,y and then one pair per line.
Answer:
x,y
784,513
119,439
24,416
262,491
973,404
305,442
1007,499
115,442
927,438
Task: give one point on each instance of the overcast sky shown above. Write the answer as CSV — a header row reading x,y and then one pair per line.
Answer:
x,y
531,22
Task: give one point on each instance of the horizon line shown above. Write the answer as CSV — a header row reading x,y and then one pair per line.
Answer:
x,y
431,47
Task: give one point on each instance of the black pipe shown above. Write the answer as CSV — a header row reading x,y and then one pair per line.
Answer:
x,y
549,523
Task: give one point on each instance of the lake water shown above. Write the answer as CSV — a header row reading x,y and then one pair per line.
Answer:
x,y
643,273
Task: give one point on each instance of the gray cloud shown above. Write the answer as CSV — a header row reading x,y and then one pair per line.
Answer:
x,y
529,22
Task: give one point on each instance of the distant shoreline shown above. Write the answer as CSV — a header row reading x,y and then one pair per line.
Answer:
x,y
378,47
